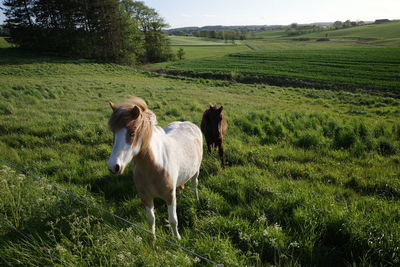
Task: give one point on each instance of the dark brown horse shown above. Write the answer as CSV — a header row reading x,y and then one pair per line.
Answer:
x,y
214,126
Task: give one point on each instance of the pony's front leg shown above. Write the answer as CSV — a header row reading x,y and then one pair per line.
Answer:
x,y
151,218
172,217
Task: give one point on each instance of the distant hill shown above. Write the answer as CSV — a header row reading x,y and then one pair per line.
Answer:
x,y
191,30
375,31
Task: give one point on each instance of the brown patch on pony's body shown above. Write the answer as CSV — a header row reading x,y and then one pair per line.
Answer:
x,y
150,179
214,126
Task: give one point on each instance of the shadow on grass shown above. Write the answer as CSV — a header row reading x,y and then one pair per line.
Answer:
x,y
115,187
16,56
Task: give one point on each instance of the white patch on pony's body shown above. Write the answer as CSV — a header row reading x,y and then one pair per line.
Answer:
x,y
185,154
122,153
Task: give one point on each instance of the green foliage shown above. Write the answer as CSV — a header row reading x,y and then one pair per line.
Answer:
x,y
118,31
180,54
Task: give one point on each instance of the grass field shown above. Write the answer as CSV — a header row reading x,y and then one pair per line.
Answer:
x,y
364,58
372,31
312,181
374,34
270,34
196,41
373,69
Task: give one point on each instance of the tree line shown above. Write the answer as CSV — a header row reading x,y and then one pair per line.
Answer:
x,y
296,29
223,34
123,31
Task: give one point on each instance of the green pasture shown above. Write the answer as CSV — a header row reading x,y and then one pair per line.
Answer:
x,y
312,177
197,41
374,69
374,34
209,52
372,31
271,34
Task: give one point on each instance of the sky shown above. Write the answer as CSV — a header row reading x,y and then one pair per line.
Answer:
x,y
183,13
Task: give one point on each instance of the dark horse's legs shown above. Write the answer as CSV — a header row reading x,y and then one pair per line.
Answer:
x,y
209,147
221,153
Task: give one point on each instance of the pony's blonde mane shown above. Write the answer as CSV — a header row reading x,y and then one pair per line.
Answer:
x,y
142,124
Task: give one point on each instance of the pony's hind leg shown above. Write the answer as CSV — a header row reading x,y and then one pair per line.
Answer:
x,y
195,183
151,218
172,217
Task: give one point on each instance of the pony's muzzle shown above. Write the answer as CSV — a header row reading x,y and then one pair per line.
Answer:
x,y
114,169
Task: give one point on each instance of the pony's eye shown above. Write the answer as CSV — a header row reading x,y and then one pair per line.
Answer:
x,y
131,134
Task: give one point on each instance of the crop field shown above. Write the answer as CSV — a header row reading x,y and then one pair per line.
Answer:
x,y
313,175
375,69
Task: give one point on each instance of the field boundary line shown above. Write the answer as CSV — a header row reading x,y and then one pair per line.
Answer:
x,y
87,201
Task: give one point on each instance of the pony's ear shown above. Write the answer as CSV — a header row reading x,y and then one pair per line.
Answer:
x,y
135,112
221,109
113,107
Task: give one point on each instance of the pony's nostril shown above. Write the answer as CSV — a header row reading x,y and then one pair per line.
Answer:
x,y
116,168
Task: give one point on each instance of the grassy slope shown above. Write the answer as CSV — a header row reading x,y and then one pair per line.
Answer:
x,y
329,68
196,41
379,34
375,31
4,43
270,34
313,175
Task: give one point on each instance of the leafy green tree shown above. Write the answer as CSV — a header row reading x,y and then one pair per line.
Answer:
x,y
157,44
338,24
120,31
181,54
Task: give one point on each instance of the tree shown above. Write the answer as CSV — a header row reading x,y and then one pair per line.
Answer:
x,y
157,45
113,30
338,24
181,54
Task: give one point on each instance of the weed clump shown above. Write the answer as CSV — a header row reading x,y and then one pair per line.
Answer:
x,y
386,147
7,109
310,139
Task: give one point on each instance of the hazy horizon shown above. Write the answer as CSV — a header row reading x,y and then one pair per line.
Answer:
x,y
179,13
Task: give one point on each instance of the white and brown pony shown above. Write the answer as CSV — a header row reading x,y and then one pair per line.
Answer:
x,y
164,159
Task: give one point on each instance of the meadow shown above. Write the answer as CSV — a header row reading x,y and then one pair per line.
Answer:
x,y
387,34
373,69
312,177
363,58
